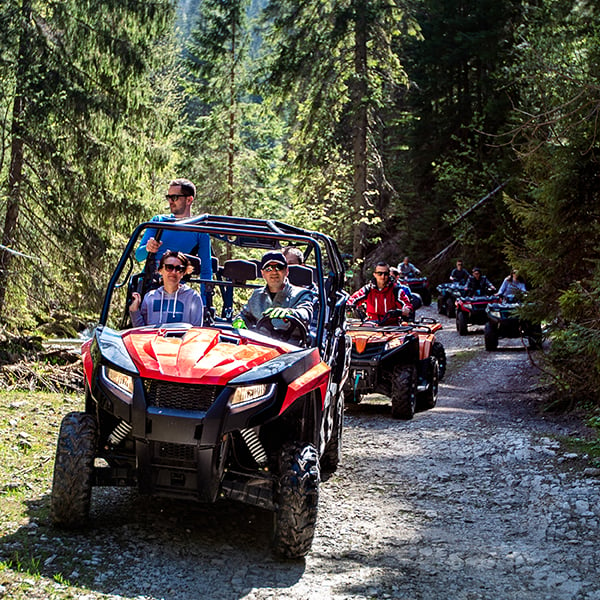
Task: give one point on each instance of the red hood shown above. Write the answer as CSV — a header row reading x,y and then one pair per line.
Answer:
x,y
201,355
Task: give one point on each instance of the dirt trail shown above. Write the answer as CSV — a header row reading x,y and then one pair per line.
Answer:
x,y
471,500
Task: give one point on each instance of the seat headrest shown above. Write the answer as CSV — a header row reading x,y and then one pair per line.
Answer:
x,y
300,275
239,270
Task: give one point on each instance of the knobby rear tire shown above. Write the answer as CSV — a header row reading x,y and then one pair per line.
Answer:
x,y
73,470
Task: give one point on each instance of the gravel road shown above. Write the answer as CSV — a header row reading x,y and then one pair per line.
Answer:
x,y
475,499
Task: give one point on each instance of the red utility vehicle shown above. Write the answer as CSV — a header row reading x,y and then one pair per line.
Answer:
x,y
211,412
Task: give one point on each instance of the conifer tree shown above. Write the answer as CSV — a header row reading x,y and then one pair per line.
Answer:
x,y
84,127
334,64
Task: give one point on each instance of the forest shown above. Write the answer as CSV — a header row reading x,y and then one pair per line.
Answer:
x,y
437,129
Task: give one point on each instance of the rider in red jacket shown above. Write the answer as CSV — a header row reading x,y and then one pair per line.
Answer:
x,y
382,295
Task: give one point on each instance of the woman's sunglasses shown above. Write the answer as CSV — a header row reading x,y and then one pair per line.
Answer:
x,y
176,268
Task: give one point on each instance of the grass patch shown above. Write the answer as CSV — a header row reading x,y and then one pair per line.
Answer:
x,y
29,424
589,446
459,359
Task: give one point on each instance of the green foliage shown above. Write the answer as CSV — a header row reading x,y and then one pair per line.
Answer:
x,y
456,106
559,204
86,108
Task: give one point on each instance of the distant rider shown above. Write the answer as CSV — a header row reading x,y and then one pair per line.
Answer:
x,y
459,275
381,295
407,269
513,285
479,284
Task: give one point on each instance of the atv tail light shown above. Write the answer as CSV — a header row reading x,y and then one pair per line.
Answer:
x,y
122,381
249,393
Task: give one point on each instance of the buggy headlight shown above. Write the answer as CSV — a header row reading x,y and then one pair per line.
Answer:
x,y
121,380
249,393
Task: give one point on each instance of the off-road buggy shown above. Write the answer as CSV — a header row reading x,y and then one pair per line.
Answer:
x,y
504,321
212,412
418,285
447,295
404,362
471,310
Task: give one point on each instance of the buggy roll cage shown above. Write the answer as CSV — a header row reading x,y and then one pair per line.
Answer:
x,y
246,232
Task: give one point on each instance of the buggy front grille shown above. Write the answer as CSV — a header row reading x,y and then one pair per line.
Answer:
x,y
164,394
179,452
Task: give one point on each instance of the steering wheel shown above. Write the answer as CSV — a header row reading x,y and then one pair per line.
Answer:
x,y
266,323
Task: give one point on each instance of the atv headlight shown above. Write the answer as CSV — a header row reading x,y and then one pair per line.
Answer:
x,y
496,314
467,306
394,343
121,380
249,393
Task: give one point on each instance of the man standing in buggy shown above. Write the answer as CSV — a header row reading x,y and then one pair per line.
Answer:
x,y
180,196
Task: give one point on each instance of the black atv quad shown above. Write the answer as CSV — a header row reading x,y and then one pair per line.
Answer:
x,y
447,296
504,321
418,285
211,412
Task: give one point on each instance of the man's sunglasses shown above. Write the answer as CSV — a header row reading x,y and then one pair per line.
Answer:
x,y
384,273
270,268
173,197
176,268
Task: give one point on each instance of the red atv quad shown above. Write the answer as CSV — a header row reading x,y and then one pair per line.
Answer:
x,y
471,310
203,413
404,362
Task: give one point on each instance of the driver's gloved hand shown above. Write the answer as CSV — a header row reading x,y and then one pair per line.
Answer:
x,y
277,312
239,323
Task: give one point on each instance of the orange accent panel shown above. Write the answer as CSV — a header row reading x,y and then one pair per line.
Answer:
x,y
317,377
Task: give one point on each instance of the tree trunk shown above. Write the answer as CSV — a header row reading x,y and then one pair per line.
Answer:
x,y
15,174
359,142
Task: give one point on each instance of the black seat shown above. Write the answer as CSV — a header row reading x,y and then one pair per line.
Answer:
x,y
300,275
239,271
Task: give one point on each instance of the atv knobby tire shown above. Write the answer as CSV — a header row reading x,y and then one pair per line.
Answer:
x,y
428,398
490,336
462,323
535,337
441,306
404,392
73,470
450,308
437,350
297,499
426,297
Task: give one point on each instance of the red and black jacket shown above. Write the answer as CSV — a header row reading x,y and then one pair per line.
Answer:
x,y
379,301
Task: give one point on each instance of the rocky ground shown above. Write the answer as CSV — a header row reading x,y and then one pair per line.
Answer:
x,y
475,499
